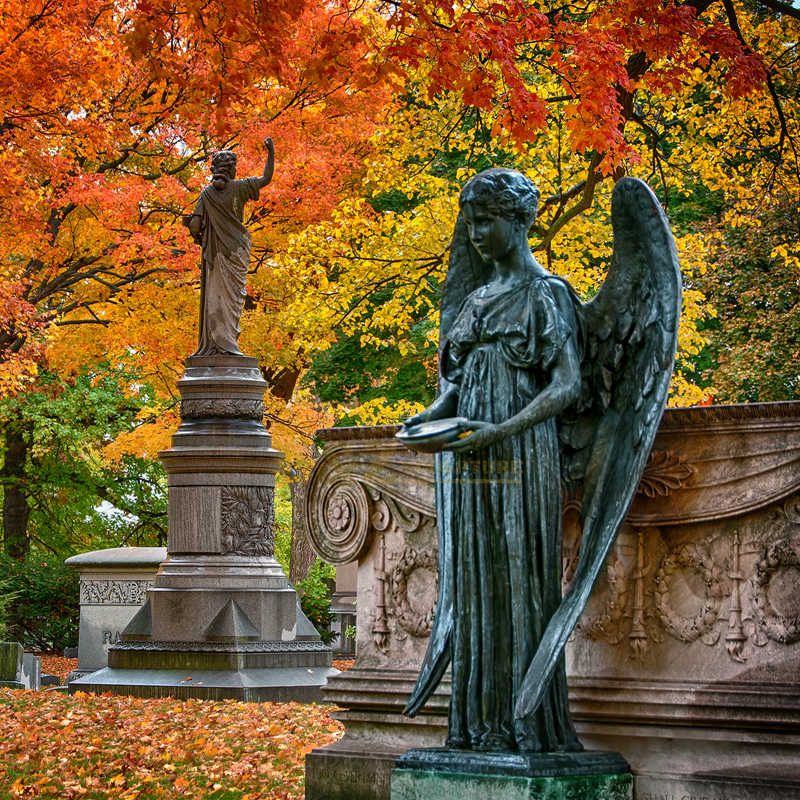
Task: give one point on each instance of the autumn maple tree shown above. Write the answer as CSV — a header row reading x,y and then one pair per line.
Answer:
x,y
380,110
102,150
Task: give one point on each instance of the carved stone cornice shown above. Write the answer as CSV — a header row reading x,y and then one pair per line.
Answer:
x,y
708,463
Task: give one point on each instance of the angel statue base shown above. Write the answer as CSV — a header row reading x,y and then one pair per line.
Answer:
x,y
542,394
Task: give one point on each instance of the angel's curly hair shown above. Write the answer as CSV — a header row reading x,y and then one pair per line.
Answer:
x,y
504,192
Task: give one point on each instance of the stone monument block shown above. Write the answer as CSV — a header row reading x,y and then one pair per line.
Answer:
x,y
220,619
113,587
11,655
687,658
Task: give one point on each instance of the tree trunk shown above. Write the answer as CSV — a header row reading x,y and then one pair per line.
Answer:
x,y
16,541
302,556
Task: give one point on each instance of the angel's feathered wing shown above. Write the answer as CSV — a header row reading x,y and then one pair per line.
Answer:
x,y
629,335
466,272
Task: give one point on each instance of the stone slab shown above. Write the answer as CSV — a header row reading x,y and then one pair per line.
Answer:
x,y
10,661
298,684
749,785
343,771
31,674
413,784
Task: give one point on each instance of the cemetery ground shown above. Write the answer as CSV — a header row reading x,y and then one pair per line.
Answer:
x,y
97,746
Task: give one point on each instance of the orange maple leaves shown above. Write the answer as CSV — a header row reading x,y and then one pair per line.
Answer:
x,y
53,745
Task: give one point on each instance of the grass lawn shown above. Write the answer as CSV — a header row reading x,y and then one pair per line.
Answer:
x,y
97,746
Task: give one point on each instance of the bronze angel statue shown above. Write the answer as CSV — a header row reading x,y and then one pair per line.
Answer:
x,y
539,394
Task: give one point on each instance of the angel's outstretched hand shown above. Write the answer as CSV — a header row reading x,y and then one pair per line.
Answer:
x,y
482,435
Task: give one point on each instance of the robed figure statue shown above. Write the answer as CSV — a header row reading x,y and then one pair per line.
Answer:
x,y
539,394
217,225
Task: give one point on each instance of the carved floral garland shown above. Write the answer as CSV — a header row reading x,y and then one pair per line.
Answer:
x,y
411,621
606,626
695,557
781,553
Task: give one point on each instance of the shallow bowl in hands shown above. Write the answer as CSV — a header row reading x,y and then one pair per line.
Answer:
x,y
430,437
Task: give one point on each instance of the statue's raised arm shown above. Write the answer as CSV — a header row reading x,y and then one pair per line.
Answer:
x,y
217,225
534,384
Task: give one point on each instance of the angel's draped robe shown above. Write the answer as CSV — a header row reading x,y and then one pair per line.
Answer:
x,y
506,518
226,253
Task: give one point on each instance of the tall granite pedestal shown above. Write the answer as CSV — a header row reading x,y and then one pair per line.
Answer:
x,y
221,619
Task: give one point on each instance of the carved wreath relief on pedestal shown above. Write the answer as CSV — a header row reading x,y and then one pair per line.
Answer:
x,y
736,570
248,521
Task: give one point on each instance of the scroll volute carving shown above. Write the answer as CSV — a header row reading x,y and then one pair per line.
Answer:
x,y
338,505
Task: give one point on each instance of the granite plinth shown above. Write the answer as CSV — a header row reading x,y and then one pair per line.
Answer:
x,y
247,671
220,619
441,773
687,658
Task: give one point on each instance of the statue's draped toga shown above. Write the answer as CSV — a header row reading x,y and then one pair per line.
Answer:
x,y
226,253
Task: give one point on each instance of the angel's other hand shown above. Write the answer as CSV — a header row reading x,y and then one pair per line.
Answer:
x,y
482,435
269,144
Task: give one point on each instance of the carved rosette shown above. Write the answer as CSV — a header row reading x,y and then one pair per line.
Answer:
x,y
236,408
113,592
342,522
248,521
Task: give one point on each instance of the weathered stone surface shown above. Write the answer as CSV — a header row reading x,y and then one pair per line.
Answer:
x,y
113,587
686,661
11,655
219,585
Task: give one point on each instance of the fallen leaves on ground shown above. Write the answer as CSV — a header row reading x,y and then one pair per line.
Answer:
x,y
98,746
58,666
343,663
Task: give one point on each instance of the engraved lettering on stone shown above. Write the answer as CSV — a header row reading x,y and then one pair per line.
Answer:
x,y
113,593
201,408
248,521
665,472
413,620
695,556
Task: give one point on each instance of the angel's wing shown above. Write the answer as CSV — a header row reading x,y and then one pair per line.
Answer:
x,y
466,272
629,334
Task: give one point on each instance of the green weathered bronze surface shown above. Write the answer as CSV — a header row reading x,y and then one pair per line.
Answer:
x,y
558,393
409,784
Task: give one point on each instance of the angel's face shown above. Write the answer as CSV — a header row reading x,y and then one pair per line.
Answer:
x,y
491,234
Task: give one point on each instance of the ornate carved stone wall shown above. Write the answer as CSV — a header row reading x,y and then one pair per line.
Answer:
x,y
693,631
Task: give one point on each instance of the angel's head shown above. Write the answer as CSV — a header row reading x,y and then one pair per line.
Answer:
x,y
499,207
504,193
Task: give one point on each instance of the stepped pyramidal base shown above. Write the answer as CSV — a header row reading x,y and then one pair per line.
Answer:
x,y
441,774
221,620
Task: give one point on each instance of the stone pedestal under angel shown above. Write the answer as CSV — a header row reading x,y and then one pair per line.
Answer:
x,y
539,393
